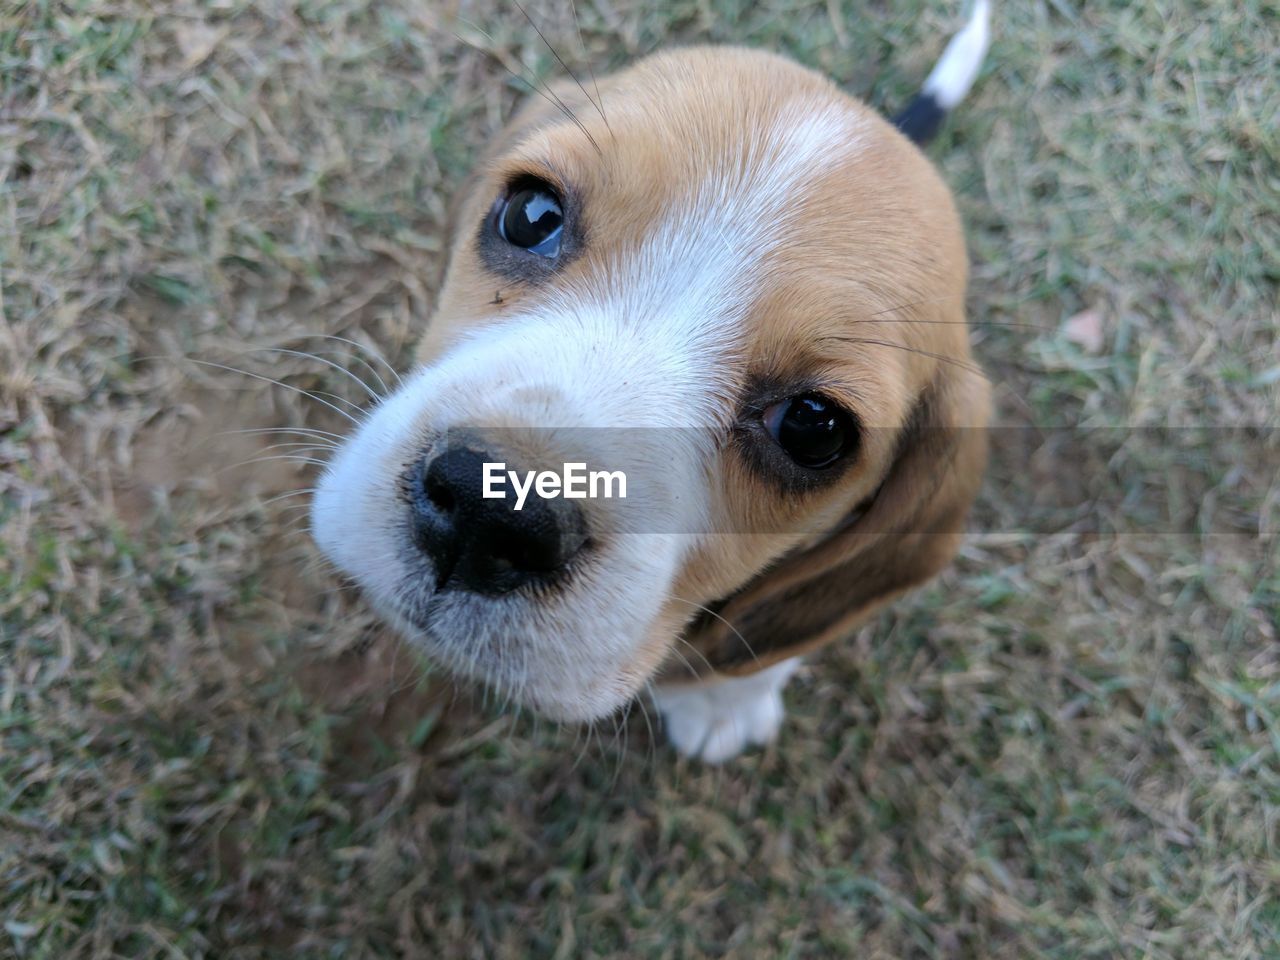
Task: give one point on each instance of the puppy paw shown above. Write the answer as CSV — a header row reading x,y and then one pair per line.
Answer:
x,y
701,729
716,721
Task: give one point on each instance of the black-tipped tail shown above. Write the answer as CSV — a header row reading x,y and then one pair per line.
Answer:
x,y
922,119
950,78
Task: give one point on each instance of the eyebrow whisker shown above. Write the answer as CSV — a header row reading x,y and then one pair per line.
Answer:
x,y
942,357
577,26
559,59
933,300
956,323
540,87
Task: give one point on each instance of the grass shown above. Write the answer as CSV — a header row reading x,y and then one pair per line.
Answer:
x,y
1066,747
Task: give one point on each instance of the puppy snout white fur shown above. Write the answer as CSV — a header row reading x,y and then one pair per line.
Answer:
x,y
536,395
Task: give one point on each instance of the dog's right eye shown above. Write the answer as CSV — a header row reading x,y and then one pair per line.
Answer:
x,y
532,218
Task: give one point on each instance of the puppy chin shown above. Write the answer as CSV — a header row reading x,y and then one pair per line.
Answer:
x,y
543,672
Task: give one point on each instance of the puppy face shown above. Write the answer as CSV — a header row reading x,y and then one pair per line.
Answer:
x,y
732,282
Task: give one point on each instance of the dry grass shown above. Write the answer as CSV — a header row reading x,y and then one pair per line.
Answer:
x,y
1069,746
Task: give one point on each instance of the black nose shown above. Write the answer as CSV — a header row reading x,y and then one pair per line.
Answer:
x,y
484,544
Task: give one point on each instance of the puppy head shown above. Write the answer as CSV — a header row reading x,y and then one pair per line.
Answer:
x,y
740,288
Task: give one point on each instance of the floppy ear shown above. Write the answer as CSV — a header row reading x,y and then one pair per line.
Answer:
x,y
908,531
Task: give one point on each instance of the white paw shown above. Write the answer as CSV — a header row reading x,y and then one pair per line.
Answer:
x,y
717,720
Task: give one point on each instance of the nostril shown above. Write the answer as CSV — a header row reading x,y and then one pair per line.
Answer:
x,y
439,494
524,554
500,557
510,555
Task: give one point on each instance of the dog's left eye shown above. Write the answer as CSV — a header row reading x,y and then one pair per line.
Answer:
x,y
532,218
813,430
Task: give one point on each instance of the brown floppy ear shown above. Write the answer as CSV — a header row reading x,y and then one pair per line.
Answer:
x,y
910,530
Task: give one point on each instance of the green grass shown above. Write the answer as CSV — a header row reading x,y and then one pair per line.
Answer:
x,y
1067,747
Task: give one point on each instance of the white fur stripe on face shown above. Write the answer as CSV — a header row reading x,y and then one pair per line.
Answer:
x,y
955,72
662,318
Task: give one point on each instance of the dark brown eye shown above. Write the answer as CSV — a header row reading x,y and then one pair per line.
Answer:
x,y
813,430
533,218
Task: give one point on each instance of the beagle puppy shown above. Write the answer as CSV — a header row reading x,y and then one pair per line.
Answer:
x,y
729,282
